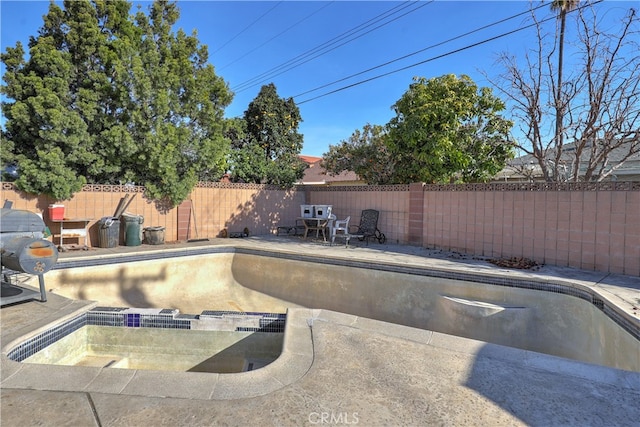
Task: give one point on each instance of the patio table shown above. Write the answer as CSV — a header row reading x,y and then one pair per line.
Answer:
x,y
317,224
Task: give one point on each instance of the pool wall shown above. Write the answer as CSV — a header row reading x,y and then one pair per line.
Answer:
x,y
546,321
189,284
162,349
561,319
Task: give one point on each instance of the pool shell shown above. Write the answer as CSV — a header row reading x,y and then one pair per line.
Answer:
x,y
557,318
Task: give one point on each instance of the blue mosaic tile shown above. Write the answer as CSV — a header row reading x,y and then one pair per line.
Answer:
x,y
132,320
105,319
113,316
39,342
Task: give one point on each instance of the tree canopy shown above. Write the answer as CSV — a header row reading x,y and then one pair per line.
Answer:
x,y
266,145
445,129
111,97
364,153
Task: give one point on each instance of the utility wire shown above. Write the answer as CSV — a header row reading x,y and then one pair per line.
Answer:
x,y
423,62
299,60
277,35
247,27
419,51
435,57
253,80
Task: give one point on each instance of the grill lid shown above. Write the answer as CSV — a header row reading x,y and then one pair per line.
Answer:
x,y
20,221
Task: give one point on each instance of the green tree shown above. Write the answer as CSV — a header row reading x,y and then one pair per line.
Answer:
x,y
108,97
268,150
365,153
247,161
446,129
177,108
43,132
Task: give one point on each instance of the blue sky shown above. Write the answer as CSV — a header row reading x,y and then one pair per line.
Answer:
x,y
304,45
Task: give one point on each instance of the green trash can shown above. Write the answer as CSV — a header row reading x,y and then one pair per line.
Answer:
x,y
132,229
109,232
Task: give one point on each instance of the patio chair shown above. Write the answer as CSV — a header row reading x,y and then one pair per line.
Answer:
x,y
339,227
368,227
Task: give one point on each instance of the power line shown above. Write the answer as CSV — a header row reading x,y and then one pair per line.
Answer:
x,y
277,35
433,58
419,51
422,62
247,27
299,60
318,51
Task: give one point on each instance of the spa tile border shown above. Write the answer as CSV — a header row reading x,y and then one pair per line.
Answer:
x,y
144,318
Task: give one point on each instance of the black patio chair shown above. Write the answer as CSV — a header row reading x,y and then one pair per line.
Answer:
x,y
368,227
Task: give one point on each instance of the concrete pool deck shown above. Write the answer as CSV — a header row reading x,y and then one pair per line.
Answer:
x,y
347,370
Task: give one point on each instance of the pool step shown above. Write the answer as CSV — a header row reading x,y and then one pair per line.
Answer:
x,y
99,361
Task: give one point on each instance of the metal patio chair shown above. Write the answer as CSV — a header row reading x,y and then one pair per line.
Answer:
x,y
368,227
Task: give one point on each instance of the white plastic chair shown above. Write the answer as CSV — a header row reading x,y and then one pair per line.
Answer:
x,y
339,225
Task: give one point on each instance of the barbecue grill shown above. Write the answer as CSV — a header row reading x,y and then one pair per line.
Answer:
x,y
23,250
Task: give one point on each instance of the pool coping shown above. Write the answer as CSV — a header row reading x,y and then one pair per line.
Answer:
x,y
292,364
298,352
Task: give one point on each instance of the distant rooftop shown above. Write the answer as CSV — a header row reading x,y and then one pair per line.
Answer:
x,y
526,167
317,175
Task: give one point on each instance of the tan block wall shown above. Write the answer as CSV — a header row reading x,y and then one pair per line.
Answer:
x,y
211,208
583,225
236,206
592,229
392,201
95,202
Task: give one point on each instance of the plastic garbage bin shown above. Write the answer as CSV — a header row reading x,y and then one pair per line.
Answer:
x,y
109,232
132,229
154,235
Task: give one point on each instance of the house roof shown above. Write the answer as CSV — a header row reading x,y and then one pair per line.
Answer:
x,y
631,166
316,174
309,159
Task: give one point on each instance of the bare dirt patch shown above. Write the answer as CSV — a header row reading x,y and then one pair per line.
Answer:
x,y
515,262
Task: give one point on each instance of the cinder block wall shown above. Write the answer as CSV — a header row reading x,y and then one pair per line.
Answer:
x,y
583,225
211,208
392,201
95,202
260,208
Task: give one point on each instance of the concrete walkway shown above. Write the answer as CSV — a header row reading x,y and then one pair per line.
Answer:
x,y
346,370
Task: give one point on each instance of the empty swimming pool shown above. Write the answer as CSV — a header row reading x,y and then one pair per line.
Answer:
x,y
560,319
